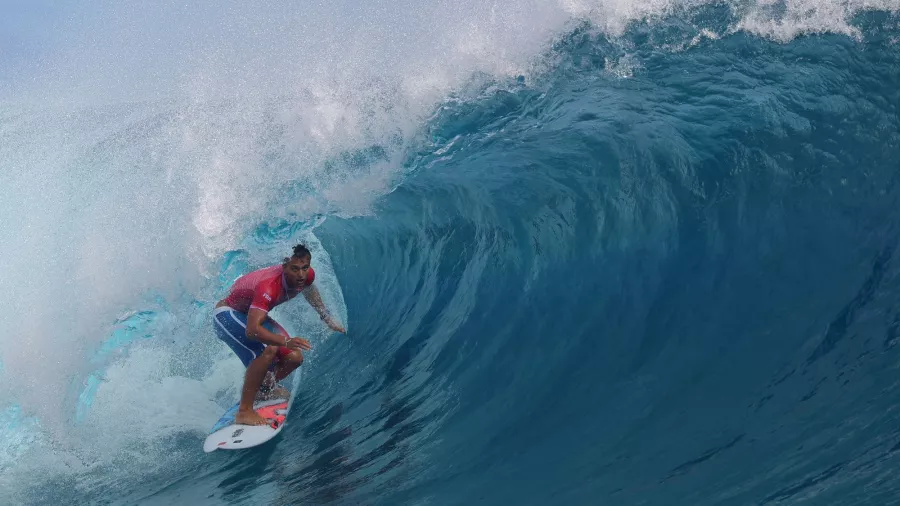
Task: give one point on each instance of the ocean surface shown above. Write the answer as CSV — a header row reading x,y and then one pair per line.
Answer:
x,y
588,252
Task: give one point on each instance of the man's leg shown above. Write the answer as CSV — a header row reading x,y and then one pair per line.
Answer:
x,y
288,359
231,328
256,371
287,363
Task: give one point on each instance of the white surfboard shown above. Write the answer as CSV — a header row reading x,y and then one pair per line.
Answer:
x,y
227,435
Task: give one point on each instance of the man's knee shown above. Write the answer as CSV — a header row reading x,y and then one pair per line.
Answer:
x,y
294,357
270,353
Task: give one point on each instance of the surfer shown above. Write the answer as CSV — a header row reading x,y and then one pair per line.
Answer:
x,y
243,323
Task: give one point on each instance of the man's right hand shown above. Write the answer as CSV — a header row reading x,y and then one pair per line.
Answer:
x,y
298,343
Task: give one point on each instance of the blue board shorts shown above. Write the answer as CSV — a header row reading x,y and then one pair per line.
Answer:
x,y
231,327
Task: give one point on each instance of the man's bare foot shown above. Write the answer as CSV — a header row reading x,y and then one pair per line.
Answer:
x,y
249,418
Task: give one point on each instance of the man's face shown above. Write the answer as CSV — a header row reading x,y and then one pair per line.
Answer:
x,y
295,271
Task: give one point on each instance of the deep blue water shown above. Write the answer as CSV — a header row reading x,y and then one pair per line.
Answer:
x,y
661,272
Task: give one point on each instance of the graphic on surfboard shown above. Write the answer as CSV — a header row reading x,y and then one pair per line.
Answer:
x,y
227,435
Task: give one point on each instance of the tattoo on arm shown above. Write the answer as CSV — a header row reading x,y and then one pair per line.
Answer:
x,y
315,300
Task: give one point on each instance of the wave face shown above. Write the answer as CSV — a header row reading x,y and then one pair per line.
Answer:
x,y
623,253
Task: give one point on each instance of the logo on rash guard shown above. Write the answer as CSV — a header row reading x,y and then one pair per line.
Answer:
x,y
267,297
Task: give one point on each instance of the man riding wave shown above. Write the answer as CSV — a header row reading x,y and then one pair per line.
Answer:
x,y
242,321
